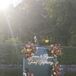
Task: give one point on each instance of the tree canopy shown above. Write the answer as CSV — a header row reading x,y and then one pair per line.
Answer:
x,y
54,19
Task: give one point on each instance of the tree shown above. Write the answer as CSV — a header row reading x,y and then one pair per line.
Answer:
x,y
61,13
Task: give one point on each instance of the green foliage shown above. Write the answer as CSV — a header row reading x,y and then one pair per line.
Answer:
x,y
68,56
72,42
61,13
55,19
13,41
10,53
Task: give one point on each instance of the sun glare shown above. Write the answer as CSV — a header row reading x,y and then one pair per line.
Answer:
x,y
4,4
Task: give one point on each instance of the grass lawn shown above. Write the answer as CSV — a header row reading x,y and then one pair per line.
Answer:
x,y
70,74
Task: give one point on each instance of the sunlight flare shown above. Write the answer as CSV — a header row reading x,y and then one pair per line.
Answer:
x,y
4,4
